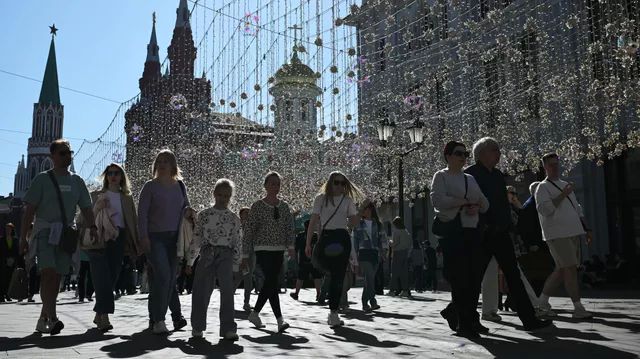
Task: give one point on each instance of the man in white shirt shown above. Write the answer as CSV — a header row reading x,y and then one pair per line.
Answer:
x,y
563,224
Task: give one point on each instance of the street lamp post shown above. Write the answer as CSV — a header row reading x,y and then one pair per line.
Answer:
x,y
416,136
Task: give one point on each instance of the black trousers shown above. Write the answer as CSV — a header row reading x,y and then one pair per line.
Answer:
x,y
337,262
463,258
5,278
431,278
499,244
271,263
34,280
85,284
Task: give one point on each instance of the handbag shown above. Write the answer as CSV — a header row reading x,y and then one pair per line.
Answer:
x,y
18,287
69,238
321,250
454,226
88,243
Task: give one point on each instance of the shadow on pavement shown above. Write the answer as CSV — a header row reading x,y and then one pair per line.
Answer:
x,y
350,335
509,347
281,340
368,317
38,340
144,342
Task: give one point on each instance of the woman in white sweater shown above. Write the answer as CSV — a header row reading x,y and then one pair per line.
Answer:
x,y
458,200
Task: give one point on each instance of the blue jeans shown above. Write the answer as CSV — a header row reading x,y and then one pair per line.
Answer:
x,y
105,268
164,264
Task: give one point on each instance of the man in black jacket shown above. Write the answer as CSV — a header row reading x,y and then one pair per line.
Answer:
x,y
496,223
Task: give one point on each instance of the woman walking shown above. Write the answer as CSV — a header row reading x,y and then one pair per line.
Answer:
x,y
334,214
400,246
370,243
457,200
163,205
105,264
269,231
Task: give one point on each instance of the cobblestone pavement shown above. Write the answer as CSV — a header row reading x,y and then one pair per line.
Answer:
x,y
401,328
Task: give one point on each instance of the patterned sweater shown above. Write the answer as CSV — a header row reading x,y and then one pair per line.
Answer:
x,y
217,227
268,228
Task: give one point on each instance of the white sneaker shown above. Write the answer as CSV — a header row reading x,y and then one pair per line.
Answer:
x,y
233,336
254,318
196,333
160,327
334,320
42,326
282,325
492,317
581,313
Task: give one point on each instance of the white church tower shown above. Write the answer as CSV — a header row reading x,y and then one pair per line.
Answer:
x,y
295,92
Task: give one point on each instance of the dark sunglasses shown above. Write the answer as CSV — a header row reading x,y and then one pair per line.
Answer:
x,y
65,152
465,154
339,183
113,173
276,213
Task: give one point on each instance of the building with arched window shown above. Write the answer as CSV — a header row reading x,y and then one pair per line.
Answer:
x,y
48,116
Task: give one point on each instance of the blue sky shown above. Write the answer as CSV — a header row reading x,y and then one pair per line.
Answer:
x,y
100,47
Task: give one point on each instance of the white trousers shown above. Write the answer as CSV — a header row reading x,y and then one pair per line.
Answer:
x,y
490,288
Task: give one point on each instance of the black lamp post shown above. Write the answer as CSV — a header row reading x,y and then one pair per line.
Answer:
x,y
416,136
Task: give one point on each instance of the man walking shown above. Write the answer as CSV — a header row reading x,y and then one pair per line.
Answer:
x,y
42,201
562,222
497,222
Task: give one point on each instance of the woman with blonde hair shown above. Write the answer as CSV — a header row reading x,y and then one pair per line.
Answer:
x,y
105,264
163,205
334,215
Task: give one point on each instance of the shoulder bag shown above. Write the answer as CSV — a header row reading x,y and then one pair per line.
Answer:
x,y
318,254
69,239
454,226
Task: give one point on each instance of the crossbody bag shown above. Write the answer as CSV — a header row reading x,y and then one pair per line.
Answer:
x,y
69,239
319,249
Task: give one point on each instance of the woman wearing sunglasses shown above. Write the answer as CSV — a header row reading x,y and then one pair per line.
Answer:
x,y
334,214
105,264
457,200
269,231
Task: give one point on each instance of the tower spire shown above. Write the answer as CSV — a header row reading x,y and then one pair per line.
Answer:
x,y
50,92
182,50
151,73
152,47
182,15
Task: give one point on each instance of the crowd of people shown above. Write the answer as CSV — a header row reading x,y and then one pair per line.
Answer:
x,y
481,226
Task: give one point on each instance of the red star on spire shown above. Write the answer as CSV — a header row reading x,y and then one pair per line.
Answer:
x,y
53,29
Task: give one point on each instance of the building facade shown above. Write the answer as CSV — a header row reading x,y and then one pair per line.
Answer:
x,y
174,111
47,125
415,48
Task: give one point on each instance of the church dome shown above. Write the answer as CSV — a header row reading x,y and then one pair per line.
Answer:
x,y
295,72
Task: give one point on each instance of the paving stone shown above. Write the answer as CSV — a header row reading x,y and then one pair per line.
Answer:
x,y
401,328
